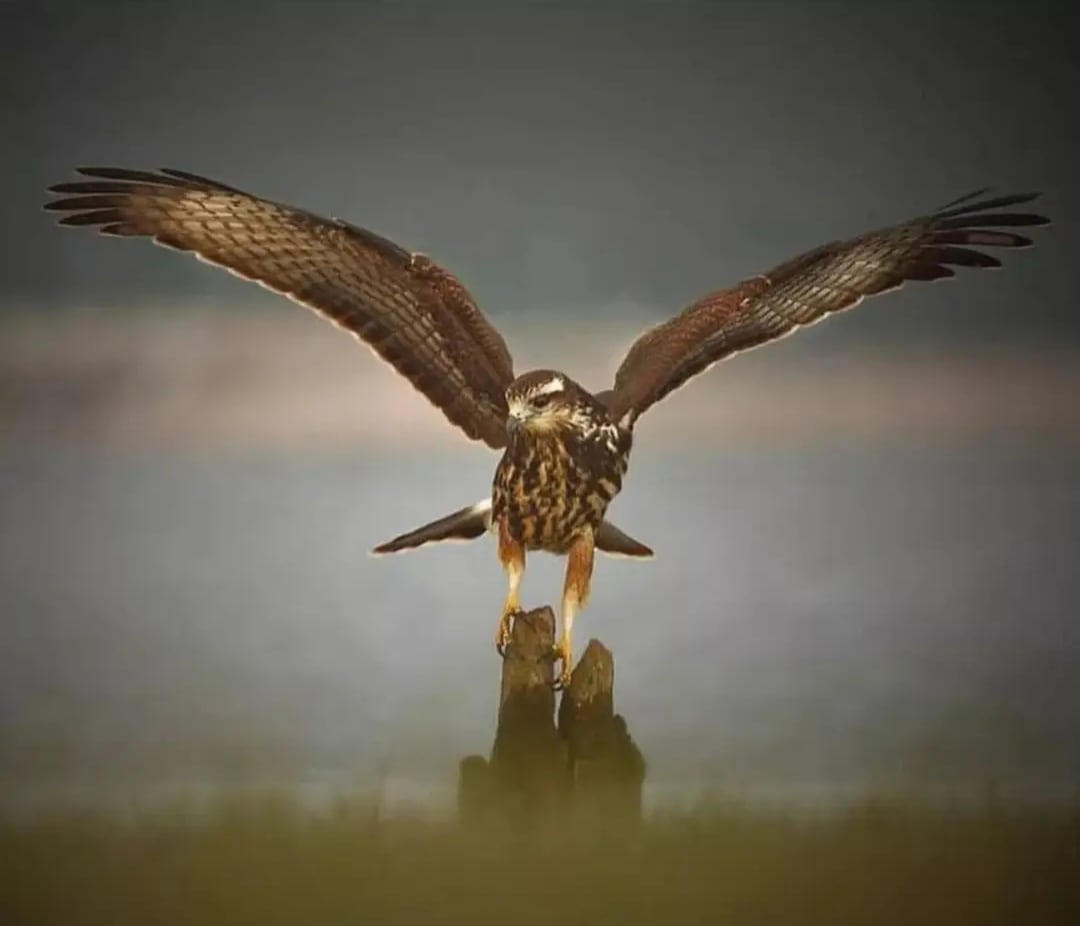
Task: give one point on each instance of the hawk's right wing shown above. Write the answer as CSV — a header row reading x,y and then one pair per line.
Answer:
x,y
808,288
411,312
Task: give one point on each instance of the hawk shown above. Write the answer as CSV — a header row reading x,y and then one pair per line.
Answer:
x,y
564,449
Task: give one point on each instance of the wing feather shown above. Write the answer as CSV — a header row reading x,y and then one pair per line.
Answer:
x,y
410,311
802,291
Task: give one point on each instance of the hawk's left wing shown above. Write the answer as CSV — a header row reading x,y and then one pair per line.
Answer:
x,y
804,290
410,311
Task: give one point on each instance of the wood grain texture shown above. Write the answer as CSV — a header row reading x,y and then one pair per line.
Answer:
x,y
543,776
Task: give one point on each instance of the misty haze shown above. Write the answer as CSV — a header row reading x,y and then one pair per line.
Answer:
x,y
854,586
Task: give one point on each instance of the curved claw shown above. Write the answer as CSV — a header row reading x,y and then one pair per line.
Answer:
x,y
503,633
561,654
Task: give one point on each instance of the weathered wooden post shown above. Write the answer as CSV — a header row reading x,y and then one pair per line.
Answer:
x,y
606,767
525,781
587,765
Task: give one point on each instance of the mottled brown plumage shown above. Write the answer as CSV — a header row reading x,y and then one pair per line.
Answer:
x,y
563,464
554,482
414,314
565,449
804,290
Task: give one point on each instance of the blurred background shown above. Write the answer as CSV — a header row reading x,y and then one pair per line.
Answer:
x,y
866,535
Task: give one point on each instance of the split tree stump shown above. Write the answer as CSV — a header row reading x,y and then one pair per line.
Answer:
x,y
586,765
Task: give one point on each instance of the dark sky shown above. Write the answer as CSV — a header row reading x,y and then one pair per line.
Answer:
x,y
557,156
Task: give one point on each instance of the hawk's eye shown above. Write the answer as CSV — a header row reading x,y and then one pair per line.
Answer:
x,y
542,401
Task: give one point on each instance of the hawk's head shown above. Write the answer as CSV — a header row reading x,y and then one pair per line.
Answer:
x,y
544,401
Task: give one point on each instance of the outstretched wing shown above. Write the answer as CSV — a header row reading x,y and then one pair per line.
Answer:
x,y
804,290
414,314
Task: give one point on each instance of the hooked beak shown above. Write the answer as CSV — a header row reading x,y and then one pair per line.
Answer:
x,y
515,422
518,418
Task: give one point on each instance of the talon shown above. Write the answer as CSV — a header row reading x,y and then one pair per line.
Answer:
x,y
561,654
505,628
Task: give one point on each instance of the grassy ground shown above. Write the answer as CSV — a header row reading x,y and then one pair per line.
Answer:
x,y
268,862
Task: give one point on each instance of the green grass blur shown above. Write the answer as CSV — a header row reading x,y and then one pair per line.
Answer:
x,y
268,861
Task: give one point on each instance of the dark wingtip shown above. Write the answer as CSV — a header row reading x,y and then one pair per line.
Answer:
x,y
187,178
178,174
971,204
104,173
967,197
127,175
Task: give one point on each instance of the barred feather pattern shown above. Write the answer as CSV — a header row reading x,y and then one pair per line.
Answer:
x,y
411,312
806,289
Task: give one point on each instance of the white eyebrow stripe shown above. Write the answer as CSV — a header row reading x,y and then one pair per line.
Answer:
x,y
555,384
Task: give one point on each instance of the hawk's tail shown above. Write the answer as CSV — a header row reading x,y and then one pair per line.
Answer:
x,y
475,520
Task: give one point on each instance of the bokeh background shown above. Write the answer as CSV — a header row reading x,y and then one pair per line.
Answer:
x,y
867,534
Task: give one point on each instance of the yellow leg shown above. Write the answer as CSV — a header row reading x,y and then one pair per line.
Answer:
x,y
514,570
579,567
564,649
512,556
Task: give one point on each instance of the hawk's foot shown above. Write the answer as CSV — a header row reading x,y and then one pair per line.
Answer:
x,y
565,662
506,626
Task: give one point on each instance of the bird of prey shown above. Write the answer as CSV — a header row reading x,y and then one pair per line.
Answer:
x,y
564,449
